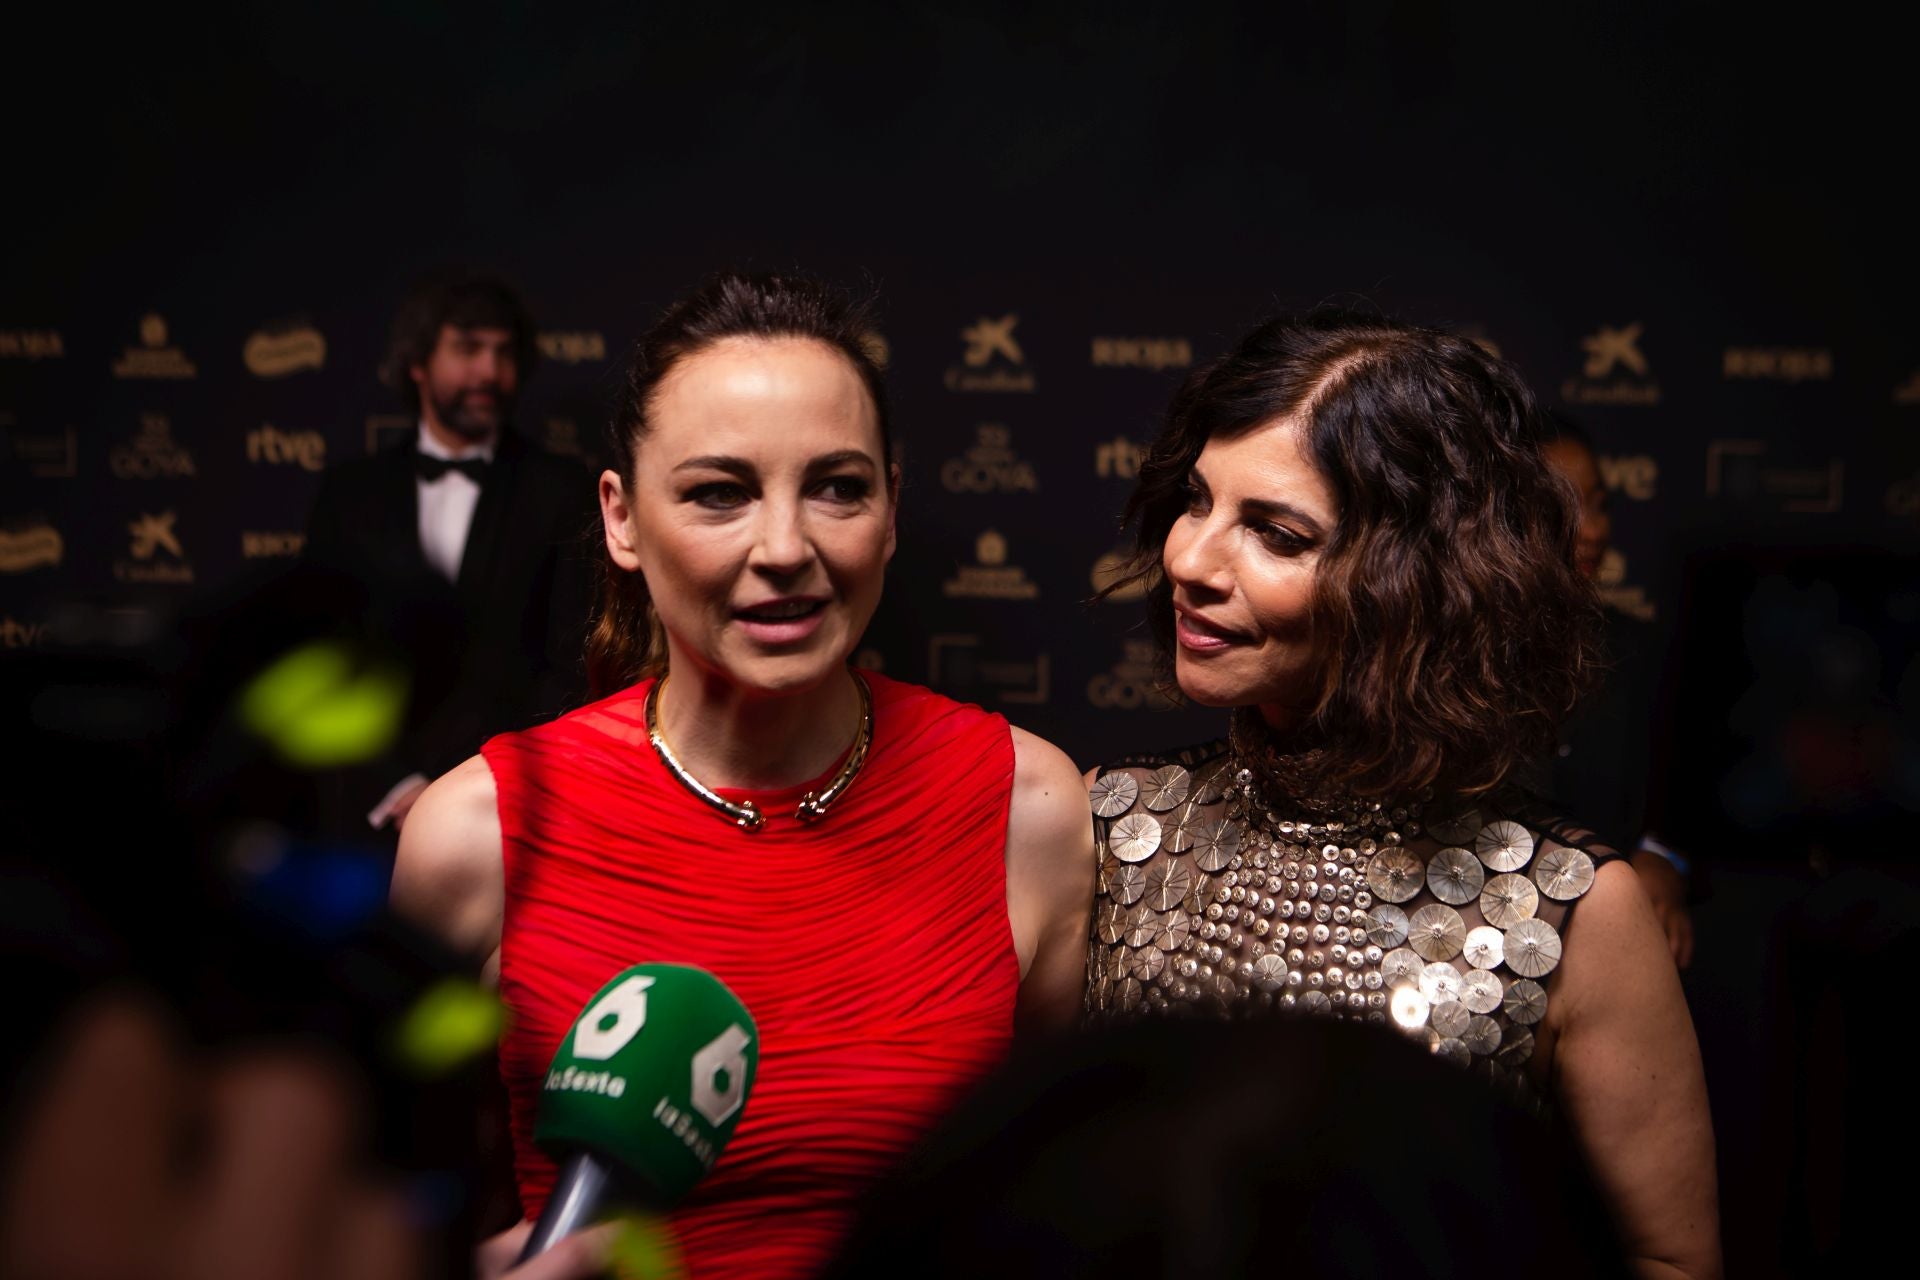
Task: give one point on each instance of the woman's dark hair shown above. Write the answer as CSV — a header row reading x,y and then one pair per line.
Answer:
x,y
625,643
1451,627
465,300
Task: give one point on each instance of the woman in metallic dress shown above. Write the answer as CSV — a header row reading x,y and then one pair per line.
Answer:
x,y
1348,537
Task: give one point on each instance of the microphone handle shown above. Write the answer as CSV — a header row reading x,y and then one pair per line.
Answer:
x,y
583,1188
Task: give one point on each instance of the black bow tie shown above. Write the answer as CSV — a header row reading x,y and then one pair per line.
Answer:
x,y
428,467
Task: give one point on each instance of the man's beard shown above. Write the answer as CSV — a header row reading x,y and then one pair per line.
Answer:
x,y
472,422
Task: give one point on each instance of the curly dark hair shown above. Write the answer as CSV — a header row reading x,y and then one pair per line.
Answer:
x,y
1452,630
466,300
626,643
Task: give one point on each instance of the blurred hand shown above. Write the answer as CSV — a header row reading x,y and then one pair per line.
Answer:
x,y
138,1159
1667,892
577,1257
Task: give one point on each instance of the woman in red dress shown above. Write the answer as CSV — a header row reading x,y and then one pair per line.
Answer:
x,y
886,878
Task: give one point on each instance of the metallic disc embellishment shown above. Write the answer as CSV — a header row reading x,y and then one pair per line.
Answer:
x,y
1214,844
1504,846
1437,932
1457,828
1563,874
1450,1018
1177,831
1269,972
1148,962
1175,925
1525,1002
1516,1051
1455,876
1166,787
1386,926
1486,947
1126,884
1212,784
1451,1049
1440,982
1409,1008
1167,883
1482,1035
1141,925
1127,994
1112,794
1107,923
1480,991
1395,875
1316,1002
1509,899
1401,967
1533,948
1134,838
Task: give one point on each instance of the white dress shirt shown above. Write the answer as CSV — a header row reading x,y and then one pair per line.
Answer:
x,y
446,506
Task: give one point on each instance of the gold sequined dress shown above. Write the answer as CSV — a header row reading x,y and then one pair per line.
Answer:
x,y
1219,897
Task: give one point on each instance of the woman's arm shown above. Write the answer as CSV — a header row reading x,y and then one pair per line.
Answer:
x,y
1049,882
447,877
1627,1070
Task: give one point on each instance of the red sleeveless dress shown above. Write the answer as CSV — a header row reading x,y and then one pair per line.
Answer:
x,y
871,947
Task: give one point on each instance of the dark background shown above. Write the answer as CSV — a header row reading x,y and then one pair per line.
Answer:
x,y
1725,178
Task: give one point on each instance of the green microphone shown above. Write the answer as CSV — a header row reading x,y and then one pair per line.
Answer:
x,y
643,1094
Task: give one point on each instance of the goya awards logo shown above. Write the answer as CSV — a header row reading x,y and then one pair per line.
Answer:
x,y
1117,459
154,553
30,544
991,359
272,544
276,350
153,358
1628,598
270,446
962,667
1130,684
1615,371
990,466
1777,364
1142,353
990,577
152,453
31,344
1634,475
573,346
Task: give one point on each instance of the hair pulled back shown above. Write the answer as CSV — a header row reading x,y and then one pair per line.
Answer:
x,y
625,643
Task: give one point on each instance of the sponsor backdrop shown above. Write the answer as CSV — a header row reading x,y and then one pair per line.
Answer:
x,y
154,451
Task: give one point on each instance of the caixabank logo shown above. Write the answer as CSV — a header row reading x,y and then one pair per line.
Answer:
x,y
990,577
154,358
991,358
283,348
990,466
1615,371
154,555
151,453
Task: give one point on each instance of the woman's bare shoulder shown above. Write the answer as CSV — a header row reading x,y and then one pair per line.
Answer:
x,y
447,877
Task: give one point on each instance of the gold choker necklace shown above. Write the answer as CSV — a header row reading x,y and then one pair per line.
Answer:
x,y
813,805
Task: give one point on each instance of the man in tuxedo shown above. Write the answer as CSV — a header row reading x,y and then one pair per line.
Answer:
x,y
462,552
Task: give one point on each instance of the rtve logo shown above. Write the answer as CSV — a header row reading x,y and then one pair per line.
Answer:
x,y
273,447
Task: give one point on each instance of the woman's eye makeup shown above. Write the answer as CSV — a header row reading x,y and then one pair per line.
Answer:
x,y
718,495
845,488
1280,538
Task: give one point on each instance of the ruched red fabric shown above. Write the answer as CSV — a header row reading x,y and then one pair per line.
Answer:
x,y
871,947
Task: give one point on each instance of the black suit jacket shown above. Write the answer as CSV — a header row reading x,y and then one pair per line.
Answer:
x,y
499,649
